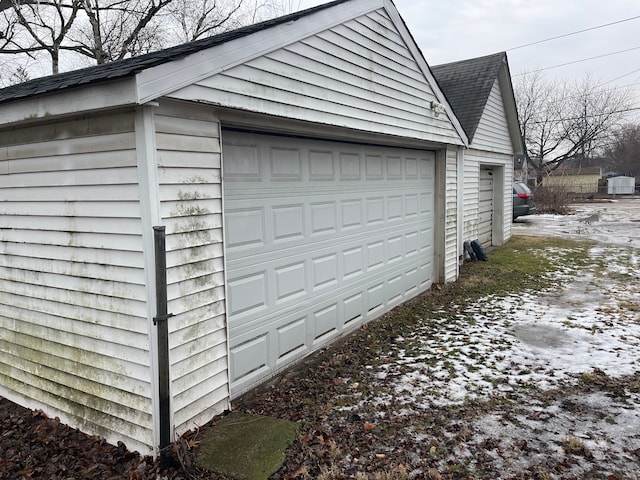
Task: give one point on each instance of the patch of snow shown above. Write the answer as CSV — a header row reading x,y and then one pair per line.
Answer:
x,y
542,342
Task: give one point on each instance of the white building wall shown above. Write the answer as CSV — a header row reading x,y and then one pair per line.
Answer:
x,y
473,158
189,175
492,147
451,217
471,185
359,75
621,185
73,311
492,133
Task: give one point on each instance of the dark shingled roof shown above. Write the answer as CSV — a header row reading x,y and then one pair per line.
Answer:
x,y
467,85
131,66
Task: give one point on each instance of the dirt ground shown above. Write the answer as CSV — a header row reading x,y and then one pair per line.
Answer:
x,y
465,382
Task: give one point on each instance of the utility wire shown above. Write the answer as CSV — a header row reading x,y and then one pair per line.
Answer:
x,y
622,76
578,61
555,120
574,33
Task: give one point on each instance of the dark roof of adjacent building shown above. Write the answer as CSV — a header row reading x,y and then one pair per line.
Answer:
x,y
131,66
467,85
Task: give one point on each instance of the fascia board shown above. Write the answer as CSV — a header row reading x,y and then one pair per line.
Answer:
x,y
511,109
166,78
422,63
67,102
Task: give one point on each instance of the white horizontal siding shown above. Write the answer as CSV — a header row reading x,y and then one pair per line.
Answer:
x,y
359,75
73,313
451,217
473,158
471,185
492,133
189,163
507,161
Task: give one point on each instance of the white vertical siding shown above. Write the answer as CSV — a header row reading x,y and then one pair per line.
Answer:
x,y
492,133
359,75
73,312
188,143
451,217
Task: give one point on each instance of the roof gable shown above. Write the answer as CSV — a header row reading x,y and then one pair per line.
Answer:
x,y
132,66
144,79
468,85
359,73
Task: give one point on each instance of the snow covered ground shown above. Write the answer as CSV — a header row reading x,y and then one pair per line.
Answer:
x,y
587,332
609,221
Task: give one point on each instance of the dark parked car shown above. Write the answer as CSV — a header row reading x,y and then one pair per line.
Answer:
x,y
522,200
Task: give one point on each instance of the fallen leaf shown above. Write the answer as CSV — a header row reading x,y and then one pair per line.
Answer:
x,y
369,426
434,475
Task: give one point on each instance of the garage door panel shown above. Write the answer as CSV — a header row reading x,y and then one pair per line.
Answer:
x,y
286,164
330,236
261,244
288,223
245,228
251,357
248,293
246,167
290,282
281,223
291,338
280,339
326,262
324,322
324,218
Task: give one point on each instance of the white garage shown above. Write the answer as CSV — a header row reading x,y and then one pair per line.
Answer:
x,y
208,214
321,236
481,95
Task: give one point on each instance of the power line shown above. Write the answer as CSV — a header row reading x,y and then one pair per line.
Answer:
x,y
633,109
622,76
578,61
574,33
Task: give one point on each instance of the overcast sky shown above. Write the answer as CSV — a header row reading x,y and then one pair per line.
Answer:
x,y
450,30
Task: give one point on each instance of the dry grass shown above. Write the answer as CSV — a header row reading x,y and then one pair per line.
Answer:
x,y
575,446
555,199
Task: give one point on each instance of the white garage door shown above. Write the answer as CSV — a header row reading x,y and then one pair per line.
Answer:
x,y
320,237
485,207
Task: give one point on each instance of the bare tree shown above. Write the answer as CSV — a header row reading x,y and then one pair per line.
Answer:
x,y
563,121
194,19
624,151
101,31
116,29
33,27
200,18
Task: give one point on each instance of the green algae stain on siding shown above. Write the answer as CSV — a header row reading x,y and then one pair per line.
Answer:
x,y
96,391
193,237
